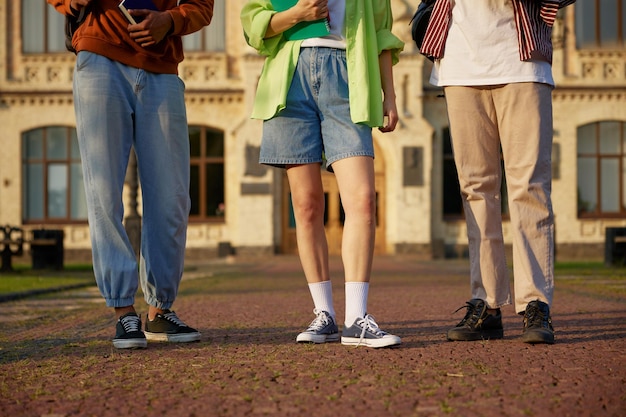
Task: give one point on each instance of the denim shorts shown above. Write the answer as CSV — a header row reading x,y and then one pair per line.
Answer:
x,y
315,126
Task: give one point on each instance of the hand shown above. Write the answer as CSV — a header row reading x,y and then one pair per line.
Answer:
x,y
309,10
391,116
152,29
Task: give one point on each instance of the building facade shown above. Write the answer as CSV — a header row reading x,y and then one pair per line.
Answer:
x,y
242,208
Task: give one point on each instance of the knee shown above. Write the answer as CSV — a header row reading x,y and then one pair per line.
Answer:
x,y
363,206
309,211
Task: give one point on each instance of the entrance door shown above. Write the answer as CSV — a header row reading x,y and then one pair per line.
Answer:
x,y
334,216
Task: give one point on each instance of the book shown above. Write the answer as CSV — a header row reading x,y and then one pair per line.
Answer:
x,y
126,5
302,30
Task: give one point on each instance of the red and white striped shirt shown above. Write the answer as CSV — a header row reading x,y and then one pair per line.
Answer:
x,y
534,20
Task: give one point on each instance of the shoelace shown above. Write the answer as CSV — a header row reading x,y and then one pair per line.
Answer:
x,y
319,322
131,324
471,316
368,323
172,317
536,318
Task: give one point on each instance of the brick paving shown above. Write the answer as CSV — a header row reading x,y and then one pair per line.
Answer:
x,y
57,360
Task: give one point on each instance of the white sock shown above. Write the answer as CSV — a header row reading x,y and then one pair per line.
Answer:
x,y
322,293
356,301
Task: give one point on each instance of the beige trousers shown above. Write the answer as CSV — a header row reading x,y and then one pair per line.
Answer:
x,y
517,119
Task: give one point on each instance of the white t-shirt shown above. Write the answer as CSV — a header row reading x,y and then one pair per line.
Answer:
x,y
482,48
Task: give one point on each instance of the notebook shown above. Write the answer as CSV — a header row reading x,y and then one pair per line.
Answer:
x,y
126,5
302,30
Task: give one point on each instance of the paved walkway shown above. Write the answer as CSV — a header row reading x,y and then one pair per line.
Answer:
x,y
57,360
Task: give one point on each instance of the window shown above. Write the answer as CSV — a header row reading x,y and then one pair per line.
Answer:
x,y
53,189
600,23
452,199
43,28
207,173
602,169
213,37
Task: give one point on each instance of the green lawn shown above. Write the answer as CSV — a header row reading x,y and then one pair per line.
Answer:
x,y
24,279
591,278
587,276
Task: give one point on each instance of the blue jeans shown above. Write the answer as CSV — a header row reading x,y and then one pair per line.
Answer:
x,y
119,107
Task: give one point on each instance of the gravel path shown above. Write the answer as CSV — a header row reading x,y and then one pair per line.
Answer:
x,y
57,359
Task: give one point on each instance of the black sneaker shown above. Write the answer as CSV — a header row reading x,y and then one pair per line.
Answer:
x,y
477,323
537,323
167,327
128,334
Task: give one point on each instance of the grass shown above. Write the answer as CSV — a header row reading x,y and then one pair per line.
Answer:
x,y
592,278
24,279
19,284
592,275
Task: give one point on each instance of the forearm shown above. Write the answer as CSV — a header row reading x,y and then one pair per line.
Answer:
x,y
390,111
386,75
282,21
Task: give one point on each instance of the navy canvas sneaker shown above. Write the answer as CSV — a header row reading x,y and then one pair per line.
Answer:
x,y
365,332
128,334
321,330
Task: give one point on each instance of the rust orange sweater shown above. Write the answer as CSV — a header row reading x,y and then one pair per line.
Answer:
x,y
105,32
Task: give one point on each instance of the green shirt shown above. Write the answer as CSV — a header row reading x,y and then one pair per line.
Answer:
x,y
368,32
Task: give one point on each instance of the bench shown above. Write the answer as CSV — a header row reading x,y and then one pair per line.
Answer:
x,y
615,246
11,244
46,247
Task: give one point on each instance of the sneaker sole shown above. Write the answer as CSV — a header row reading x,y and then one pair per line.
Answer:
x,y
373,343
471,337
130,343
173,338
538,337
317,338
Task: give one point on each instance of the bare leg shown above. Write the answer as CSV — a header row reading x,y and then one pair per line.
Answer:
x,y
355,177
307,196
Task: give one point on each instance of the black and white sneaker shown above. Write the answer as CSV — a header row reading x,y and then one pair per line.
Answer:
x,y
167,327
128,334
365,332
321,330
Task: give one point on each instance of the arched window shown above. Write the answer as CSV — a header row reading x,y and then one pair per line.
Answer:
x,y
207,174
602,169
53,189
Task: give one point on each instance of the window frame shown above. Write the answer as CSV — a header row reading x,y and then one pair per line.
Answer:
x,y
598,155
218,23
52,20
201,161
46,161
591,11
